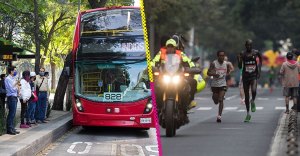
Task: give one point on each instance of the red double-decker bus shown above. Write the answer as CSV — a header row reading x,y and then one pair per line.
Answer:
x,y
110,77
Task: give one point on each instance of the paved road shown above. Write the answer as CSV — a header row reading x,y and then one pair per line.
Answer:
x,y
105,142
204,137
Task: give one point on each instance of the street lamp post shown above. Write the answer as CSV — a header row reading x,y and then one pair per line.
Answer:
x,y
79,2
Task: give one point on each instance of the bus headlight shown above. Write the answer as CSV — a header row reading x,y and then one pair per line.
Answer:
x,y
175,79
79,105
148,107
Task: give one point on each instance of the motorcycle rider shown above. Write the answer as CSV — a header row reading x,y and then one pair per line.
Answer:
x,y
196,83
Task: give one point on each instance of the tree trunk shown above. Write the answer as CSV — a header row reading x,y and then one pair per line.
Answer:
x,y
62,85
37,37
95,4
53,75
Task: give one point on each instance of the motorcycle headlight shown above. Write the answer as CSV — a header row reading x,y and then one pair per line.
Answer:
x,y
166,78
175,79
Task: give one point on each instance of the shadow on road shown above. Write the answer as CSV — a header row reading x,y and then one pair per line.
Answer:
x,y
114,132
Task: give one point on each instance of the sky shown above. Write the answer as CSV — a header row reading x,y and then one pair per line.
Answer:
x,y
136,2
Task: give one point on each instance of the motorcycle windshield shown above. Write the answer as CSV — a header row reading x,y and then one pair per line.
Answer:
x,y
172,63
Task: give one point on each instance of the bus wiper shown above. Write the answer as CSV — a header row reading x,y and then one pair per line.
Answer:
x,y
133,61
113,31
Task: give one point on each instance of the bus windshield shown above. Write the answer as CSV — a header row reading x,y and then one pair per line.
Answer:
x,y
117,22
122,80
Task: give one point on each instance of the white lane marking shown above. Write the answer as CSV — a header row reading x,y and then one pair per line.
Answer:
x,y
124,151
87,148
262,98
113,149
150,148
201,98
230,97
259,108
280,108
204,108
231,128
242,110
71,148
280,99
230,108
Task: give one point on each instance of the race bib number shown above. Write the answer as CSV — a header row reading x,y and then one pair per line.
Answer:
x,y
250,68
221,72
113,96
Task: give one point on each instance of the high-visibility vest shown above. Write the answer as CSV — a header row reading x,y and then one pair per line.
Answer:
x,y
163,55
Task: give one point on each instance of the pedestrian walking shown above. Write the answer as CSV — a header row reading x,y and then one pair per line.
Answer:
x,y
289,71
12,87
24,98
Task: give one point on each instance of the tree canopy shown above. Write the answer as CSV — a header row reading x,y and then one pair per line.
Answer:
x,y
226,24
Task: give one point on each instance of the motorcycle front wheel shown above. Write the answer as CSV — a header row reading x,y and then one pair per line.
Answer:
x,y
169,120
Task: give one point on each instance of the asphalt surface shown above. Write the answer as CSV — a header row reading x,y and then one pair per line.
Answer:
x,y
105,142
203,136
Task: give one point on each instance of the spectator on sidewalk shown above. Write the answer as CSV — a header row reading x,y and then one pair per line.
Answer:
x,y
42,89
32,101
2,104
12,88
289,71
24,98
2,88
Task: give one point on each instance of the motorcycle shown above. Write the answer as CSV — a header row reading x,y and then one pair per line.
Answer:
x,y
172,92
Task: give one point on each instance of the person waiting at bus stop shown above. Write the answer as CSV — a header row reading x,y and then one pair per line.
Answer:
x,y
42,91
197,84
12,88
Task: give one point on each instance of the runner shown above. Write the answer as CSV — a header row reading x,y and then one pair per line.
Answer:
x,y
219,69
250,72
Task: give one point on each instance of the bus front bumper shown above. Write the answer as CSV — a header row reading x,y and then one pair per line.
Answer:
x,y
138,121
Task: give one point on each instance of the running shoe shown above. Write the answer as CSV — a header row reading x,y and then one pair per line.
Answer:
x,y
253,107
193,104
219,119
248,118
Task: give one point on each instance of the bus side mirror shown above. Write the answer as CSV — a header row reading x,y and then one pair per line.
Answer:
x,y
66,71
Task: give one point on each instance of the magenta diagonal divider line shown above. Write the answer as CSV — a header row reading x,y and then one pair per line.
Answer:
x,y
156,119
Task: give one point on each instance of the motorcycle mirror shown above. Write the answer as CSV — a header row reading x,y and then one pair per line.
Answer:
x,y
193,70
195,59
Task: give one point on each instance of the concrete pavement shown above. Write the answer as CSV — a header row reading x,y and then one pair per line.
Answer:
x,y
203,136
32,140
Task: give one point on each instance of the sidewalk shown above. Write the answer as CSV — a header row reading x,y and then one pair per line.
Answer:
x,y
32,140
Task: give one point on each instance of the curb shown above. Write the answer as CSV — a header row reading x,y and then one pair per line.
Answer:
x,y
36,139
278,147
285,138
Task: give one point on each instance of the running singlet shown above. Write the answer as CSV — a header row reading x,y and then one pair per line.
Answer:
x,y
221,69
250,70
